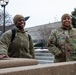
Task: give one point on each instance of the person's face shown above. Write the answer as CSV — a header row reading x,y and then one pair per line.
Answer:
x,y
20,23
66,21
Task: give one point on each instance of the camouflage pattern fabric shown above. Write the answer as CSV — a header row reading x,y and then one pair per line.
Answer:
x,y
62,43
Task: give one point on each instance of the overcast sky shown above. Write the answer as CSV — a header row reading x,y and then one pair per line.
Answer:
x,y
40,11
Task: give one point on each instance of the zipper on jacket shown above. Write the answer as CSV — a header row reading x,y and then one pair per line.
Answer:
x,y
21,46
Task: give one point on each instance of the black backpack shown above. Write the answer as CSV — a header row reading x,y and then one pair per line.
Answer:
x,y
13,35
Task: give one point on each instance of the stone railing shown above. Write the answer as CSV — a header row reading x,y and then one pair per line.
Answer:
x,y
16,62
65,68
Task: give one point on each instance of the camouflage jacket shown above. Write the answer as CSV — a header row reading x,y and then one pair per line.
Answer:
x,y
62,43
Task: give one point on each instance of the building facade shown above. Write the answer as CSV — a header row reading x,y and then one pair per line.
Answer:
x,y
39,33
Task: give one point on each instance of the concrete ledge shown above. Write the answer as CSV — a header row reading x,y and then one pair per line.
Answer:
x,y
15,62
65,68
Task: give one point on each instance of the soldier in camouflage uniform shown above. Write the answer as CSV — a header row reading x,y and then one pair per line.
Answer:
x,y
62,41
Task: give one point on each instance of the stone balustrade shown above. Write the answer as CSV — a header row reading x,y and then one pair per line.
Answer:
x,y
16,62
64,68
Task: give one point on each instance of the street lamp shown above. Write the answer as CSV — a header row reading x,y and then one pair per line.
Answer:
x,y
3,4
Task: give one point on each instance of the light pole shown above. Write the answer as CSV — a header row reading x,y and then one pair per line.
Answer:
x,y
3,4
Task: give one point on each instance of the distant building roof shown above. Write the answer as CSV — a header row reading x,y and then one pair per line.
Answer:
x,y
6,27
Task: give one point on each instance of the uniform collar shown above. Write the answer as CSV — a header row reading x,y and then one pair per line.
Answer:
x,y
17,29
65,28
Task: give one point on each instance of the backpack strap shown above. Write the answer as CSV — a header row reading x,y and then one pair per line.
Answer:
x,y
29,37
13,34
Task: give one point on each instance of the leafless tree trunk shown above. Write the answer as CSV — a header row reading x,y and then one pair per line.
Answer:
x,y
8,18
44,33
